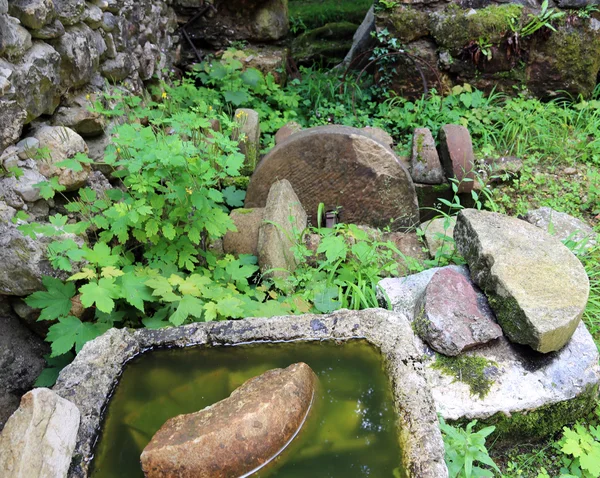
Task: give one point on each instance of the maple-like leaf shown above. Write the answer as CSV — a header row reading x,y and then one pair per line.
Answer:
x,y
100,293
70,331
55,301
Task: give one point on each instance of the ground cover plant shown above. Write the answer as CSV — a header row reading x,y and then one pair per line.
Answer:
x,y
147,257
311,14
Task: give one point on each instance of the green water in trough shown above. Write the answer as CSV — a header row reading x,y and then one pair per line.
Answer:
x,y
351,433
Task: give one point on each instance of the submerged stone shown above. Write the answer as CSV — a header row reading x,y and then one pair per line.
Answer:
x,y
237,435
536,286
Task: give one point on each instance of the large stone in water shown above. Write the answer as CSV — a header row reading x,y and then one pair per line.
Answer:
x,y
39,438
340,167
536,286
237,435
452,317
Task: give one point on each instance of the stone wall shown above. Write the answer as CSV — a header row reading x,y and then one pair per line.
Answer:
x,y
484,43
55,53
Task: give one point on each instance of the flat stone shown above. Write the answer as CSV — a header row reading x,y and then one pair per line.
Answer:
x,y
531,395
458,160
425,161
39,438
340,167
119,68
248,134
75,114
380,135
11,122
78,52
452,317
361,42
439,234
276,234
286,131
54,29
503,167
245,240
563,226
536,286
237,435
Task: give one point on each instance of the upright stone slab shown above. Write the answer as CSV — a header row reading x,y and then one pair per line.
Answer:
x,y
425,161
457,156
237,435
283,218
343,168
248,134
535,285
39,438
245,239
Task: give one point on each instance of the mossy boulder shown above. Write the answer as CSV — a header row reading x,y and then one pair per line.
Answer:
x,y
569,60
328,44
404,23
454,27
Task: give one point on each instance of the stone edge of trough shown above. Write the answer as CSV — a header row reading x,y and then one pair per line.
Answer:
x,y
92,377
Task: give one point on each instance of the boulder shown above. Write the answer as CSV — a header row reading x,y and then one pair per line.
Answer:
x,y
286,131
247,132
439,233
33,14
245,239
74,114
343,168
79,55
62,143
283,219
69,12
11,122
562,226
503,167
328,44
452,317
14,39
51,31
266,59
457,157
38,87
3,7
237,435
21,360
39,438
525,394
535,285
425,162
24,187
119,68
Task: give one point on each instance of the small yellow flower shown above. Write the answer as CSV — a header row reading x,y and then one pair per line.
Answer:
x,y
188,190
164,94
87,97
210,108
118,150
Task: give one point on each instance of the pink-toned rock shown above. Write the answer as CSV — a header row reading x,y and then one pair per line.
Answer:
x,y
425,166
451,316
457,156
237,435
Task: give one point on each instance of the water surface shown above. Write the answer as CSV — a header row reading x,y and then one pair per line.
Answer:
x,y
351,434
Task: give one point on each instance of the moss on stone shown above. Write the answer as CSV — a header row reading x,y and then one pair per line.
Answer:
x,y
240,182
244,211
405,23
512,319
539,423
329,42
454,28
470,369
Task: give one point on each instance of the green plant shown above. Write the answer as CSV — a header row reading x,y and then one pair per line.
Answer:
x,y
587,11
386,4
465,449
543,19
581,445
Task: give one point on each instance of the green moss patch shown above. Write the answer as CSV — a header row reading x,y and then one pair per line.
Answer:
x,y
454,28
469,369
405,23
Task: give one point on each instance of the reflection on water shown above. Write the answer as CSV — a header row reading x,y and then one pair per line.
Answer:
x,y
350,434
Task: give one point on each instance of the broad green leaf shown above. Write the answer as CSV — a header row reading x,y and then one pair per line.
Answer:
x,y
111,271
100,293
85,273
135,291
70,331
188,306
54,365
55,302
326,300
234,197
